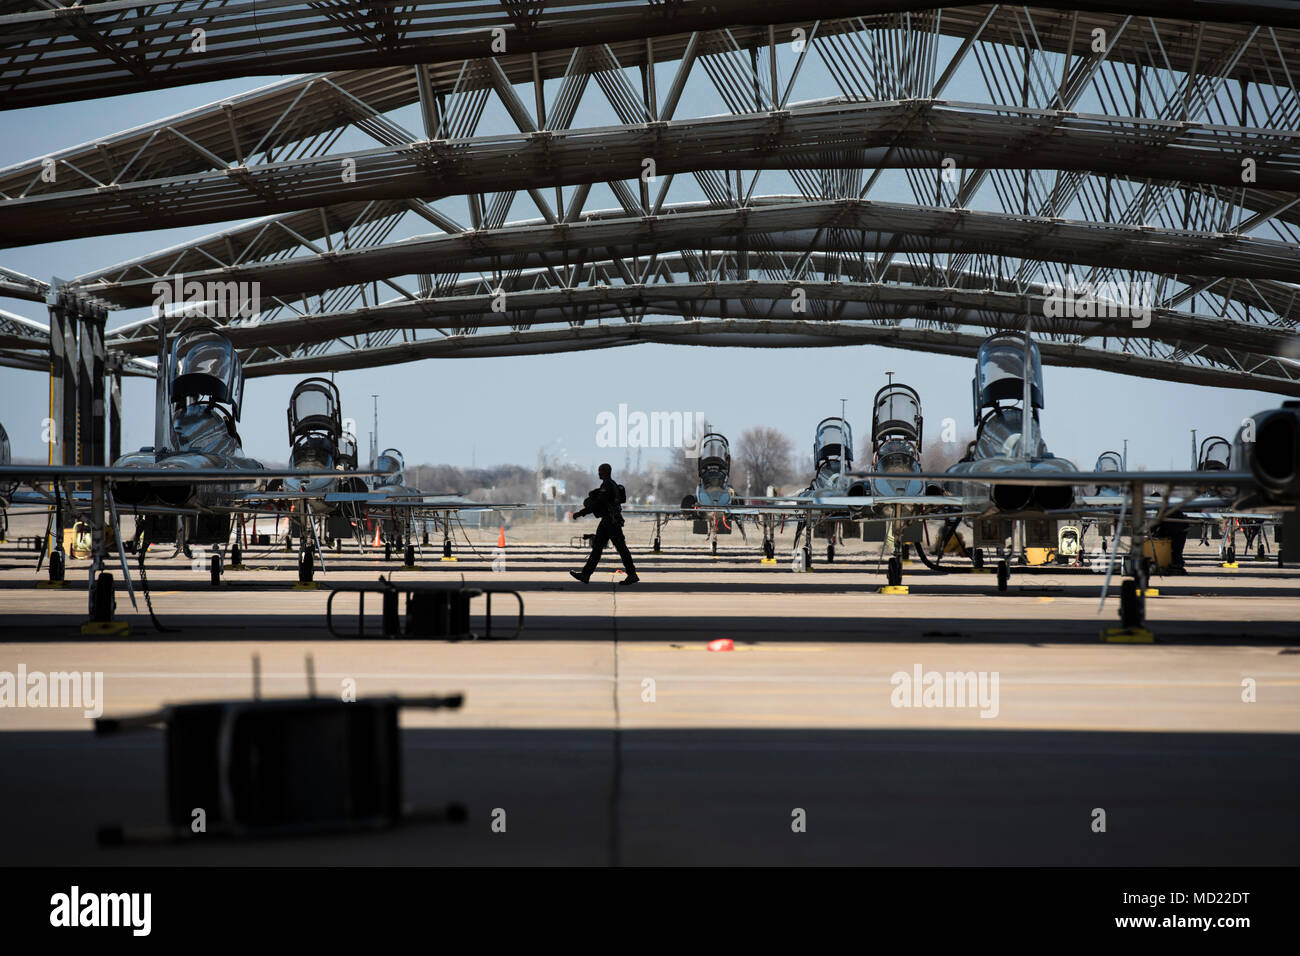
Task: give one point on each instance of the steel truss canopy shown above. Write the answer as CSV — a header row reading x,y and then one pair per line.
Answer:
x,y
897,135
53,51
901,175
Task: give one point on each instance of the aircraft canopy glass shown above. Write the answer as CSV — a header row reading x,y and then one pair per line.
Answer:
x,y
1000,371
348,449
897,454
1110,461
315,406
715,453
205,365
390,465
834,441
897,414
1215,454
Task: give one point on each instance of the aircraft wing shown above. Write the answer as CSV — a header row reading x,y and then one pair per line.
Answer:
x,y
29,474
1234,478
82,499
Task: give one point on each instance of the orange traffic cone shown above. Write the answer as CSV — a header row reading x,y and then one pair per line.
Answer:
x,y
501,537
377,543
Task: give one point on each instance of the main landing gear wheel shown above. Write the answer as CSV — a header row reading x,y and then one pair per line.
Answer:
x,y
446,548
769,549
894,572
807,558
907,552
715,549
236,554
830,553
187,551
102,601
214,568
656,546
1230,556
58,564
410,555
977,558
1259,554
388,550
1004,574
288,542
306,566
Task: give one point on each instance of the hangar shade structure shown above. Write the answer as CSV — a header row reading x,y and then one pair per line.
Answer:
x,y
488,178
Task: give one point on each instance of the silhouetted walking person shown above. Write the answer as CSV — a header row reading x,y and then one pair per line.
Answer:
x,y
604,504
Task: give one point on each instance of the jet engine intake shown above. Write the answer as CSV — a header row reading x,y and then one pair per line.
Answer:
x,y
1012,497
1273,458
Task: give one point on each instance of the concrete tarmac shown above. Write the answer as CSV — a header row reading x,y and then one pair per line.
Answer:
x,y
609,733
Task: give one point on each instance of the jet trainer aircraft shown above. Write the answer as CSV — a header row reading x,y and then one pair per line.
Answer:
x,y
894,493
712,508
195,479
1003,483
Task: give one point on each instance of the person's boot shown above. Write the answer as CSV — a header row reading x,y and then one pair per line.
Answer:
x,y
578,576
630,579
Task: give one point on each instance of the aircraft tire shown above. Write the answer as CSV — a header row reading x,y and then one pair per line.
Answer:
x,y
102,600
977,558
1130,604
1004,574
214,569
894,572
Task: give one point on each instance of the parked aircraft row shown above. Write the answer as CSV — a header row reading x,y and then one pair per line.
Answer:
x,y
1009,488
195,481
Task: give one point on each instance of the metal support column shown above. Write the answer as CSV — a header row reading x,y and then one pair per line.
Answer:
x,y
114,409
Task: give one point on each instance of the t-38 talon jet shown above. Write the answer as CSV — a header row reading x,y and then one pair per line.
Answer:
x,y
344,504
186,487
712,509
189,486
893,494
1263,473
318,442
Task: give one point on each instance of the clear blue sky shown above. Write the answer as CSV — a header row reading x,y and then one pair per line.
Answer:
x,y
499,410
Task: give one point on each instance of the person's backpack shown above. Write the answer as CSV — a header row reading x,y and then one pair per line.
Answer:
x,y
622,495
